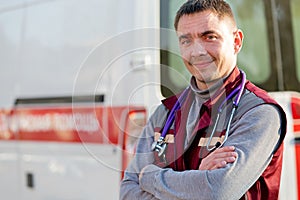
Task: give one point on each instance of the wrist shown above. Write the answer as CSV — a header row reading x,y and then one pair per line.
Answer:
x,y
147,178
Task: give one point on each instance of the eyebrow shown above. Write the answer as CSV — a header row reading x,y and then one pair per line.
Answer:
x,y
188,35
208,32
184,36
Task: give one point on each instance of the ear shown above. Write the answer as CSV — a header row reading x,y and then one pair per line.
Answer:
x,y
238,41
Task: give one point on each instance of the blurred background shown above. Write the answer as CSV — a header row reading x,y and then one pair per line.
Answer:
x,y
79,79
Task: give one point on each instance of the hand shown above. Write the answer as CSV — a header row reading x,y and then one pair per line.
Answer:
x,y
219,158
148,169
142,172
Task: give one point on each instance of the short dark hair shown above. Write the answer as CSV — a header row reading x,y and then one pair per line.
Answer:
x,y
220,7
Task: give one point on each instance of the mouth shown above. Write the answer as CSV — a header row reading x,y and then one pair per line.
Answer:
x,y
202,64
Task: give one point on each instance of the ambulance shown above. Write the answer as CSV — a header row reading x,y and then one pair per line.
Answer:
x,y
79,79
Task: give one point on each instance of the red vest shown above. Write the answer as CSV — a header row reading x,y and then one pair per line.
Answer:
x,y
267,186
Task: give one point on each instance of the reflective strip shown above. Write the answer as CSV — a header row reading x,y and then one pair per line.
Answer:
x,y
169,137
204,141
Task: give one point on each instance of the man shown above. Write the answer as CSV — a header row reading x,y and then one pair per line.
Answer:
x,y
198,162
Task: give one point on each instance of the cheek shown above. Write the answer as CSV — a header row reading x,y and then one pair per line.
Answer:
x,y
189,67
229,48
222,53
227,53
185,54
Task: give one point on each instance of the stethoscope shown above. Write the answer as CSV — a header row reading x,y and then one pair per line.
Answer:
x,y
160,145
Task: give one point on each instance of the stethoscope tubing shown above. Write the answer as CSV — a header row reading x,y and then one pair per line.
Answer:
x,y
160,144
239,91
171,116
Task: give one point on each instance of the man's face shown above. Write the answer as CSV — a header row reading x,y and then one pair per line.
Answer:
x,y
209,46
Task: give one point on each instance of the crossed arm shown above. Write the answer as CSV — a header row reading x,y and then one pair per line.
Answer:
x,y
219,158
227,173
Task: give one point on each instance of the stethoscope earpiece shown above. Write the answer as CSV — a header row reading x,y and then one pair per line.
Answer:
x,y
218,144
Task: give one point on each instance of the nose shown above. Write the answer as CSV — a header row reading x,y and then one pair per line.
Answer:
x,y
197,49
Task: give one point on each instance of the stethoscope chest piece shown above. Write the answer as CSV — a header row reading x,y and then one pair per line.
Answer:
x,y
159,146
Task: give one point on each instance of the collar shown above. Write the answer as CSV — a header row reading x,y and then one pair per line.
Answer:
x,y
229,84
219,91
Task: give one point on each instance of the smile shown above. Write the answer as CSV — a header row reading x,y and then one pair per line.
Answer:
x,y
202,64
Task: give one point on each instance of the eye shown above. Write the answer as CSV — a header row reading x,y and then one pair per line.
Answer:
x,y
185,42
211,37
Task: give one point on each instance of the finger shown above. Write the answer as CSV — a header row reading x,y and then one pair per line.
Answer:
x,y
213,164
223,155
223,161
230,159
218,165
218,160
225,149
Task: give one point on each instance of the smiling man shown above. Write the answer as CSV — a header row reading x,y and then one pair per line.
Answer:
x,y
204,41
220,144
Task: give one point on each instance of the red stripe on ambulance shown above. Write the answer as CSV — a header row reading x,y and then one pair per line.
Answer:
x,y
295,107
66,124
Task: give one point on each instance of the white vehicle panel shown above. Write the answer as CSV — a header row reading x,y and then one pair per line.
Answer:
x,y
63,171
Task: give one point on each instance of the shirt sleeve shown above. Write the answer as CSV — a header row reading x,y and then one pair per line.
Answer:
x,y
130,188
254,136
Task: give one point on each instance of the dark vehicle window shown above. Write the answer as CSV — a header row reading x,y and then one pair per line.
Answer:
x,y
267,57
295,7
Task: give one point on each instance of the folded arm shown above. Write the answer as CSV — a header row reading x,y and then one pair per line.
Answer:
x,y
253,142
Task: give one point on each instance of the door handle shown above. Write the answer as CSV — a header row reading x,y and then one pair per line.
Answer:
x,y
29,180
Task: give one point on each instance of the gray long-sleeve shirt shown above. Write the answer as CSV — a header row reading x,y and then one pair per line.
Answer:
x,y
254,136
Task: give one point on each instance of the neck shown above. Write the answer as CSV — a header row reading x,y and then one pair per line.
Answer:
x,y
209,89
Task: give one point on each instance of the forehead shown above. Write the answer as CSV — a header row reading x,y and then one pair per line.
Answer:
x,y
203,21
